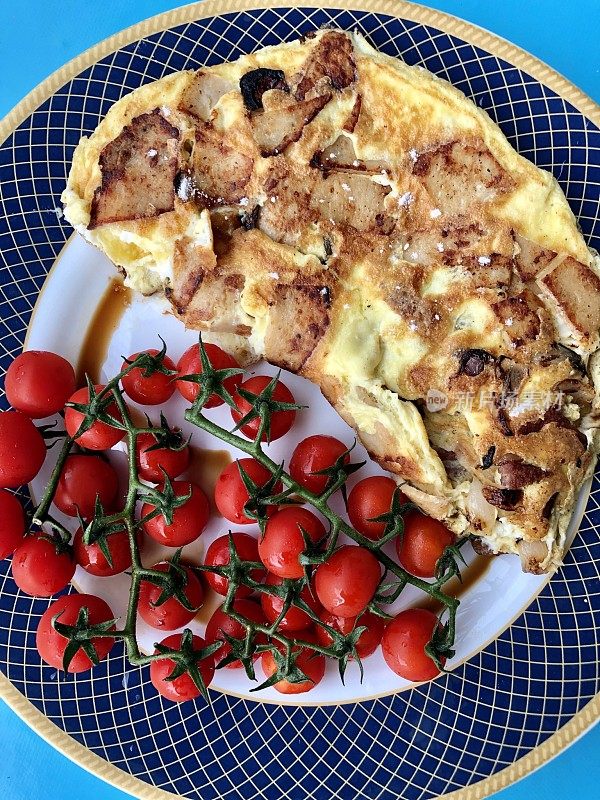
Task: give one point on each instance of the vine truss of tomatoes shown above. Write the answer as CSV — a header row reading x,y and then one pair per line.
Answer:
x,y
182,665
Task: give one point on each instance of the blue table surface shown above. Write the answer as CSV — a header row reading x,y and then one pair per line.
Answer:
x,y
37,37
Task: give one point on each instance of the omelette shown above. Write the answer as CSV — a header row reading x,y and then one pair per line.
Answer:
x,y
360,222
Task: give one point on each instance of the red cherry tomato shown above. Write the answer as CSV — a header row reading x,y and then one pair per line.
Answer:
x,y
423,542
403,644
39,383
182,688
283,543
171,614
281,421
40,568
368,499
310,662
100,436
217,555
12,523
231,495
51,645
189,364
367,642
189,519
93,560
295,619
221,623
151,390
312,455
346,582
22,449
83,479
151,463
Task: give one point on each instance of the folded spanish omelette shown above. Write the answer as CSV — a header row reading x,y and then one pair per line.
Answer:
x,y
362,223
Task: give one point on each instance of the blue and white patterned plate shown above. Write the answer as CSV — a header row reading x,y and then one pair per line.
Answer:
x,y
513,704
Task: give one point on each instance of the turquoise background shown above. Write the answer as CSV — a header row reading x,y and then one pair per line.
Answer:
x,y
37,37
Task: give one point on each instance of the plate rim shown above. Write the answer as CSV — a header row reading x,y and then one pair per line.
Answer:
x,y
586,717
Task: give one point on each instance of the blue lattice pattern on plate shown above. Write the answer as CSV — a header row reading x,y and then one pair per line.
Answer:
x,y
433,739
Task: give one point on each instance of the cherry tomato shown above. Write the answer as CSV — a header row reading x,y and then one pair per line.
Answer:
x,y
171,614
151,390
231,495
22,449
40,568
221,623
281,421
282,544
39,383
93,560
182,688
51,644
189,519
346,582
12,523
403,644
423,542
151,463
83,479
217,555
312,455
295,619
367,642
310,662
368,499
189,364
100,436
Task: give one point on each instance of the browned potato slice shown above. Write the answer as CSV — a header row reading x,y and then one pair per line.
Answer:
x,y
576,290
351,199
138,170
456,175
220,171
276,129
203,94
330,62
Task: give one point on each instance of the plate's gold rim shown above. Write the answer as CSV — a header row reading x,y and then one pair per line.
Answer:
x,y
447,23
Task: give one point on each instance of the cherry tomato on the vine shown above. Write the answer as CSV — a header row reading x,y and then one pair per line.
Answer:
x,y
221,625
151,390
294,619
12,523
346,582
231,495
93,560
367,642
422,543
283,543
280,421
22,449
217,555
171,614
151,462
312,455
190,364
38,383
370,498
101,435
51,644
189,519
83,479
309,661
403,644
40,567
182,688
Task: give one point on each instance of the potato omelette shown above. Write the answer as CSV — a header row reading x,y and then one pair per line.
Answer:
x,y
360,222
